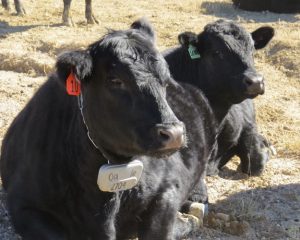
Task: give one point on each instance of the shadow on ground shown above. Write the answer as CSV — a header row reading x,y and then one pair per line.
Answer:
x,y
229,11
6,29
273,212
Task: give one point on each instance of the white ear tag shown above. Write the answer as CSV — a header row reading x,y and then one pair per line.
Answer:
x,y
119,177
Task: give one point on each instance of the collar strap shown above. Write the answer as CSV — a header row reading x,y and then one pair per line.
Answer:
x,y
101,150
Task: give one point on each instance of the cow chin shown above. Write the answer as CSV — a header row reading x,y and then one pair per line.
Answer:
x,y
155,152
123,156
238,98
161,153
252,96
121,152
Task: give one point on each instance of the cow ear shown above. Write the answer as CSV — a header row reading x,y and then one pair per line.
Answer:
x,y
78,62
187,38
262,36
145,27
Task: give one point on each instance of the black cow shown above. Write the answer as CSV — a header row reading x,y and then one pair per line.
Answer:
x,y
53,150
220,62
278,6
65,16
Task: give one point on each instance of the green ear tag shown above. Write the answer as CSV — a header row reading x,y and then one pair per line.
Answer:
x,y
194,54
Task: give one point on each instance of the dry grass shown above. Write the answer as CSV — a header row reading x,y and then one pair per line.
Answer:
x,y
30,44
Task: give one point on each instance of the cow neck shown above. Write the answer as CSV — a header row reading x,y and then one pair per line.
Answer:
x,y
105,154
220,109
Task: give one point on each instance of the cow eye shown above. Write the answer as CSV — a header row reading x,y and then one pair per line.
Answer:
x,y
116,82
218,54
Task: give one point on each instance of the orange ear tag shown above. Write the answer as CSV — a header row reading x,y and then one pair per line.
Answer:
x,y
73,85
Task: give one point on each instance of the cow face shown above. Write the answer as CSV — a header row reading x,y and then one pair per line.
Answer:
x,y
226,65
123,80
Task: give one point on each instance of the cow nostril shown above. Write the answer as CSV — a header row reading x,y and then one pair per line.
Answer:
x,y
170,137
164,135
248,81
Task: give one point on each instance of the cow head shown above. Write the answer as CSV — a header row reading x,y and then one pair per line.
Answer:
x,y
123,85
226,64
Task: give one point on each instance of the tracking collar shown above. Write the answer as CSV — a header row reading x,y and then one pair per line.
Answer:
x,y
114,177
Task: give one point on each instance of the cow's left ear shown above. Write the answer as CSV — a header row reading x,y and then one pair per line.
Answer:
x,y
262,36
187,38
145,27
78,62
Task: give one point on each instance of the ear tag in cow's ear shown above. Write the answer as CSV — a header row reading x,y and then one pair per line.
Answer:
x,y
194,54
119,177
73,85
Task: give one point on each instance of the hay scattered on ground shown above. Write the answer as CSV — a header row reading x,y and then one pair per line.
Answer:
x,y
270,203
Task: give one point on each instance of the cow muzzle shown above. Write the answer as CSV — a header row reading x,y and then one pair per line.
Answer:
x,y
170,136
254,84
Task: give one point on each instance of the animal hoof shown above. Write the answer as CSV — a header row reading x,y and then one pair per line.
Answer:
x,y
92,20
68,22
21,12
198,210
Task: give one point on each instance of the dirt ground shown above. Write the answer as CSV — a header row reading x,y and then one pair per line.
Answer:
x,y
268,205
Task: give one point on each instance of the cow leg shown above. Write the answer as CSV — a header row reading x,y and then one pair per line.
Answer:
x,y
199,195
253,150
168,226
160,221
19,8
224,159
89,13
66,12
33,224
5,4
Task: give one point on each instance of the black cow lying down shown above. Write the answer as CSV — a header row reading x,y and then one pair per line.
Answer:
x,y
278,6
219,61
52,152
65,16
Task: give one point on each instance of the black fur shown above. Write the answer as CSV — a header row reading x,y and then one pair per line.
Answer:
x,y
278,6
222,72
49,166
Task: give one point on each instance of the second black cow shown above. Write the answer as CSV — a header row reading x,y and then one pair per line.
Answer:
x,y
278,6
220,62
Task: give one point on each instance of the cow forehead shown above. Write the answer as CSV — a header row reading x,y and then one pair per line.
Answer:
x,y
125,44
133,53
145,69
235,37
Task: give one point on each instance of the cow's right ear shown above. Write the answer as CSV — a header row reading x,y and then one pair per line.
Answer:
x,y
145,27
187,38
78,62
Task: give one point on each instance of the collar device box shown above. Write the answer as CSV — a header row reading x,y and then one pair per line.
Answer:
x,y
119,177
